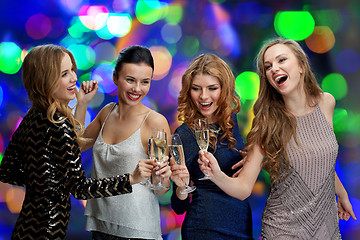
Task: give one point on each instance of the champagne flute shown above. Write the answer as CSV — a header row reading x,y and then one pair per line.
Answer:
x,y
177,152
146,181
202,137
157,149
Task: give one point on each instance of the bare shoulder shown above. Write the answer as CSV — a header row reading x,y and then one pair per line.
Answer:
x,y
105,111
327,102
327,106
157,120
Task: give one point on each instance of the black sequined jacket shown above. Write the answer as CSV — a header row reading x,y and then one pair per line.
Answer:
x,y
45,158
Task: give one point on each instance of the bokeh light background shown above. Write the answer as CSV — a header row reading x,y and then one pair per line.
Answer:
x,y
177,31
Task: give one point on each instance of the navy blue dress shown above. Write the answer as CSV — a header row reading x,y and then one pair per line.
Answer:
x,y
211,213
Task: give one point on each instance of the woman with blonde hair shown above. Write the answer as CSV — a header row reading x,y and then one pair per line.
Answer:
x,y
293,139
208,91
44,155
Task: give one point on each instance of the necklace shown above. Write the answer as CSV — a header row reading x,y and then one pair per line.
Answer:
x,y
215,131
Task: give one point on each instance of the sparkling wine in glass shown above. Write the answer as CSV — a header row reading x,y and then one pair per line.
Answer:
x,y
202,137
177,152
157,148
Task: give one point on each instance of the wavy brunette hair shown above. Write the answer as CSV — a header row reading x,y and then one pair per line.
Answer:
x,y
273,125
41,77
228,102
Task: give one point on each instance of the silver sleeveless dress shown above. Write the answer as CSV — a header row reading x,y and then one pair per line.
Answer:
x,y
135,215
303,205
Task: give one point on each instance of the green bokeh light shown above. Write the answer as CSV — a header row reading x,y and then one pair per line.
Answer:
x,y
10,58
340,120
77,29
1,157
104,33
296,25
190,46
329,17
84,56
353,125
335,84
148,12
166,198
247,85
175,14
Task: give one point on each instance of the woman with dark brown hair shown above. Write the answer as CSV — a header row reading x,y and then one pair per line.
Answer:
x,y
208,91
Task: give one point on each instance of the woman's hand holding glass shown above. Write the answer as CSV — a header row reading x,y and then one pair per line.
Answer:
x,y
158,151
180,174
208,164
202,137
142,171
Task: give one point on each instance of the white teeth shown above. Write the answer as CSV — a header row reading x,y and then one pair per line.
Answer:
x,y
71,88
205,104
133,96
278,78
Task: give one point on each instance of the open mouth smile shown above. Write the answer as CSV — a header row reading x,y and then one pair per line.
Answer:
x,y
280,80
205,106
133,96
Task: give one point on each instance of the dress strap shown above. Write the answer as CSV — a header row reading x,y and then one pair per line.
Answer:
x,y
145,118
114,105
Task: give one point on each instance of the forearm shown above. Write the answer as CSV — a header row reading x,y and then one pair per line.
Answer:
x,y
339,188
235,187
80,112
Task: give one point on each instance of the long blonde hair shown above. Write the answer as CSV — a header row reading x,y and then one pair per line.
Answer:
x,y
273,125
41,77
228,102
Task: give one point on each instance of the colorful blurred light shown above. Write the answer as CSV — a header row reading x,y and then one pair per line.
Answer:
x,y
162,61
104,33
171,33
339,120
150,11
175,234
57,28
165,199
247,85
150,103
105,52
84,55
104,75
77,29
72,5
38,26
119,24
329,17
168,221
10,57
348,61
14,199
227,42
190,46
93,16
175,14
122,5
335,84
1,97
296,25
174,86
321,40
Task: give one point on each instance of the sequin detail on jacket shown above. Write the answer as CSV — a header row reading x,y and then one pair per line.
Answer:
x,y
45,158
